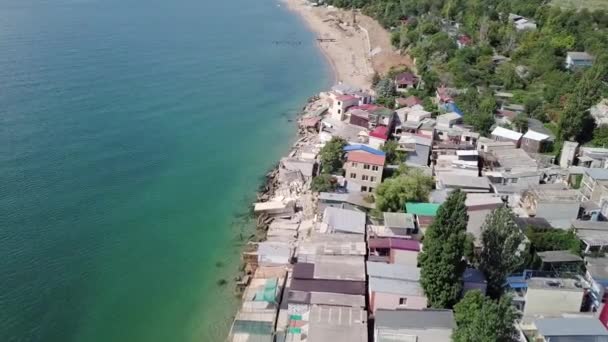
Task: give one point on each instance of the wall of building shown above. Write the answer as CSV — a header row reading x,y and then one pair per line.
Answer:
x,y
531,146
389,301
358,171
557,211
401,257
550,301
359,121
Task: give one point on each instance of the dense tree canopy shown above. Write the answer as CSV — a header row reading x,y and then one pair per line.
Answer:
x,y
441,260
501,241
481,319
409,185
323,183
393,155
332,155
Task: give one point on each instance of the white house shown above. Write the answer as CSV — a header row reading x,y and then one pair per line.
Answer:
x,y
578,60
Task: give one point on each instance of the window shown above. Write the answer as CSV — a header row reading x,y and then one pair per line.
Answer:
x,y
353,175
371,189
402,301
375,168
363,189
366,166
354,164
364,177
339,111
513,180
372,179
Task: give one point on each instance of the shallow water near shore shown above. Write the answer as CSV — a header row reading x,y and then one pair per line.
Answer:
x,y
134,135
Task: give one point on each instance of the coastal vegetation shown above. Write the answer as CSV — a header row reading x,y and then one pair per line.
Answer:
x,y
441,260
323,183
527,63
407,185
481,319
332,155
500,255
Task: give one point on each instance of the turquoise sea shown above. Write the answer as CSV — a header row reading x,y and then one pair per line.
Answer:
x,y
133,135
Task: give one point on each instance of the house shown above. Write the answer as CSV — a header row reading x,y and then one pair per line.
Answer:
x,y
343,221
488,145
448,120
378,136
405,81
464,162
409,101
330,323
330,244
447,180
593,157
352,201
369,116
424,212
330,274
597,276
363,171
593,235
474,279
559,261
394,287
345,89
522,23
575,60
504,134
564,329
273,253
442,95
594,187
464,41
535,142
557,204
399,223
394,250
339,104
551,297
418,149
414,325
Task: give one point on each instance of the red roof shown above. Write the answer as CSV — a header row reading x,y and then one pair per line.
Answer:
x,y
406,78
367,107
380,132
365,157
465,40
442,93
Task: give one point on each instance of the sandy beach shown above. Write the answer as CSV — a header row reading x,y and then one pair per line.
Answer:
x,y
354,49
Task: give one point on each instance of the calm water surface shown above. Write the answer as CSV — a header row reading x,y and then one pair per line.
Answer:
x,y
131,134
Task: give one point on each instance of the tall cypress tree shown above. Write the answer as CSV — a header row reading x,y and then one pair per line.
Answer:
x,y
442,257
500,254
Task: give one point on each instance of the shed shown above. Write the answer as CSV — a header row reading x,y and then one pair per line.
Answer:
x,y
343,220
422,209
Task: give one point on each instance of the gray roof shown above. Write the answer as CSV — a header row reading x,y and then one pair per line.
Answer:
x,y
343,220
590,225
476,221
570,327
304,166
473,275
333,196
597,173
558,256
580,55
416,319
337,299
597,267
461,181
393,271
339,267
399,220
395,286
337,324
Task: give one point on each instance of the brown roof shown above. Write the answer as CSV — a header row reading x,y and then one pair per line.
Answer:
x,y
331,286
406,78
409,101
364,157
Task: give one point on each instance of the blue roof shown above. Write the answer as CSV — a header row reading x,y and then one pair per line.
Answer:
x,y
350,148
452,107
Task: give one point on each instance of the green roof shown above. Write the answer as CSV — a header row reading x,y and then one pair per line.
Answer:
x,y
422,209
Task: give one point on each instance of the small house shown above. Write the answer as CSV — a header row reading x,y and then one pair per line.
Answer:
x,y
448,120
394,250
575,60
552,297
570,329
394,287
504,134
344,221
535,142
378,136
339,104
405,81
418,149
414,325
424,212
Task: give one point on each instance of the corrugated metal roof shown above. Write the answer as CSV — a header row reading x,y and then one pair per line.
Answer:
x,y
597,173
399,220
395,286
393,271
417,319
422,209
344,220
350,148
572,327
506,133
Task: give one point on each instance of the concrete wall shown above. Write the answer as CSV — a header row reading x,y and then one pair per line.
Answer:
x,y
389,301
355,172
550,301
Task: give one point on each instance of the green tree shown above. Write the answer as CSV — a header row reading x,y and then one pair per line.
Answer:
x,y
500,254
385,88
323,183
332,155
600,136
442,258
520,123
393,156
481,319
410,185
